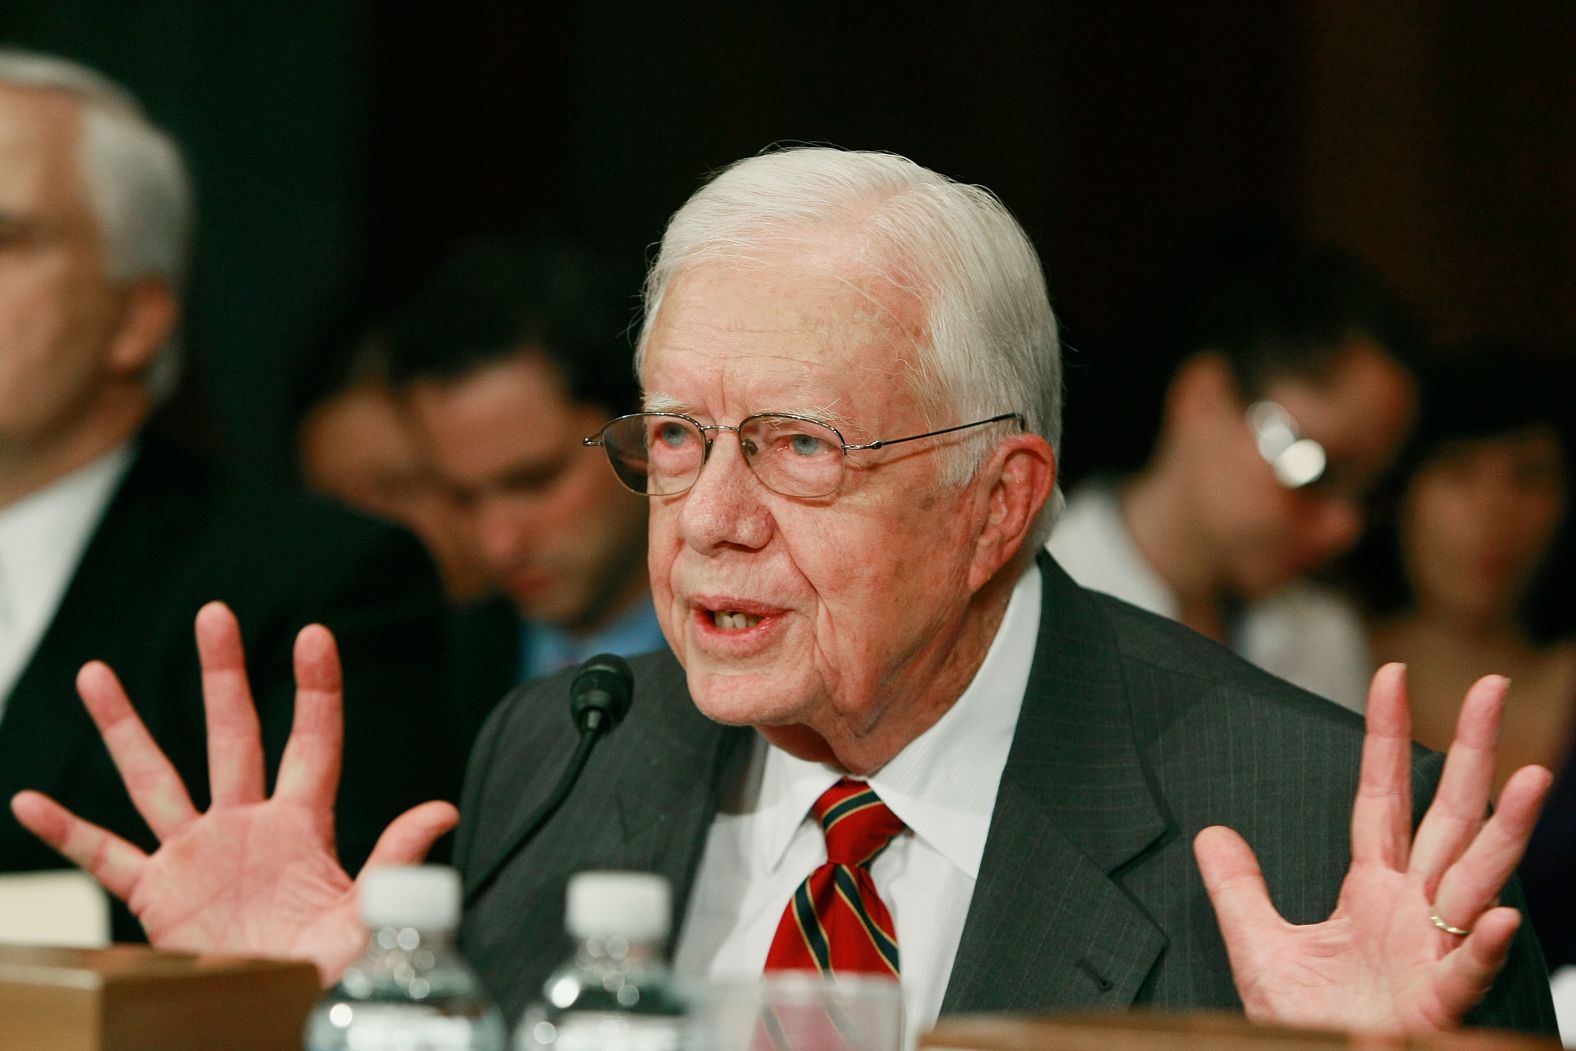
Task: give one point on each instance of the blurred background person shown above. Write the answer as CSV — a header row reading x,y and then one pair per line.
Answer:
x,y
514,350
115,529
1278,398
1472,574
355,443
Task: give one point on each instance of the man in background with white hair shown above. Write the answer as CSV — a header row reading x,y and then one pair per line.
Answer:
x,y
112,532
891,737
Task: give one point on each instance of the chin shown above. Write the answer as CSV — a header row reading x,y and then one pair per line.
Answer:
x,y
744,698
1262,582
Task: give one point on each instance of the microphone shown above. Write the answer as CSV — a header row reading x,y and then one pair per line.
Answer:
x,y
600,694
599,698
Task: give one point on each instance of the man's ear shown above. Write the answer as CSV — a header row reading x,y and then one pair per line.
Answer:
x,y
1016,483
1202,386
149,313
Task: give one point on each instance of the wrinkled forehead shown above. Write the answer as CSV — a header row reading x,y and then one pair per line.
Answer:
x,y
785,325
39,133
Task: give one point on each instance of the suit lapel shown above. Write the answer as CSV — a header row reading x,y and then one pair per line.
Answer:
x,y
1049,927
666,810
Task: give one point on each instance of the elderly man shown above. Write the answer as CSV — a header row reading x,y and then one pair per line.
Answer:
x,y
112,531
850,372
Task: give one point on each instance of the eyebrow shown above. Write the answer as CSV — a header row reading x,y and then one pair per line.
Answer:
x,y
658,401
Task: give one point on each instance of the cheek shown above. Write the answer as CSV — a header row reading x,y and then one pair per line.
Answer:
x,y
662,547
1441,521
1435,537
880,586
1428,549
606,542
45,363
584,501
1257,516
29,324
1541,515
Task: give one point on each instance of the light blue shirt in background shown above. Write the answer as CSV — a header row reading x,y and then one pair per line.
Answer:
x,y
546,648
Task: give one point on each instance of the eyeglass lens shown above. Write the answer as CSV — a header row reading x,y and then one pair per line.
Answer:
x,y
662,455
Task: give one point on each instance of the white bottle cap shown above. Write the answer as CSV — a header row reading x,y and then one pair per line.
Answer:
x,y
426,897
636,906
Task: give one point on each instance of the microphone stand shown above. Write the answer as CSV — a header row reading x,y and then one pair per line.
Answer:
x,y
527,831
599,696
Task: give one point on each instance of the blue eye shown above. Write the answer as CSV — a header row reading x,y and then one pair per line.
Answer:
x,y
808,445
673,435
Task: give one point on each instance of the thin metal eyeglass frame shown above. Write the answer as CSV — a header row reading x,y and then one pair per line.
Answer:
x,y
596,440
1275,434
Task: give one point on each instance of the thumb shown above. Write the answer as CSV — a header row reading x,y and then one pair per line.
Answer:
x,y
409,836
1236,889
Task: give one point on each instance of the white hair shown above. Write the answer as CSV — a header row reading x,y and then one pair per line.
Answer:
x,y
135,180
989,337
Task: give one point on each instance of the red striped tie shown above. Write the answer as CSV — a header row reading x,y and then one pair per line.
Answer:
x,y
836,922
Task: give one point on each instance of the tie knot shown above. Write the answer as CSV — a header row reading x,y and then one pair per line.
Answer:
x,y
858,826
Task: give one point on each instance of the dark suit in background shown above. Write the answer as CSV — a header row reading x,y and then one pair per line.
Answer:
x,y
176,535
482,653
1135,734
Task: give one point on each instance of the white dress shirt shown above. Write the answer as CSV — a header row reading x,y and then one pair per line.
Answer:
x,y
42,537
764,841
1304,633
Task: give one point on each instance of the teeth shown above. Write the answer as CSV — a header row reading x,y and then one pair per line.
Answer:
x,y
734,621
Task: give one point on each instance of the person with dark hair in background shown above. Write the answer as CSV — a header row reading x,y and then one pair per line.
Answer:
x,y
1472,573
514,350
356,443
114,531
1285,397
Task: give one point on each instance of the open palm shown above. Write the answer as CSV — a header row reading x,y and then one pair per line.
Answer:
x,y
254,874
1380,963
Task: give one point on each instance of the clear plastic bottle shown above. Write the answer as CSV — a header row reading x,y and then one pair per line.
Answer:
x,y
616,993
410,991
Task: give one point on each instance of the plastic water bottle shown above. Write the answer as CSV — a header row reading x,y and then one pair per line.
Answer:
x,y
410,991
616,993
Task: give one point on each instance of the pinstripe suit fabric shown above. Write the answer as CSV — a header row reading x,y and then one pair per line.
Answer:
x,y
1134,735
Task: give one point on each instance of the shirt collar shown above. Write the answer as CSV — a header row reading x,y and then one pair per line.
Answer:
x,y
943,784
43,535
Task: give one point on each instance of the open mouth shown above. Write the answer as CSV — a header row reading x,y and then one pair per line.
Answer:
x,y
731,620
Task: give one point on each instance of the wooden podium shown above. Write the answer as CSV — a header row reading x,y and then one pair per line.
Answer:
x,y
130,998
1158,1031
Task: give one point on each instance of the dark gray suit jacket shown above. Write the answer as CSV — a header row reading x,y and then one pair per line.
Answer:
x,y
1135,734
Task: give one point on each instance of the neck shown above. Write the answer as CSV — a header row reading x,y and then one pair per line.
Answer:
x,y
929,689
1152,504
1478,633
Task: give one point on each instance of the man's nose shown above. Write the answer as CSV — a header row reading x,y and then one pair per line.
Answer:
x,y
725,507
500,529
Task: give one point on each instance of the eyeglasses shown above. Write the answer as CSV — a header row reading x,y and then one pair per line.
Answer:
x,y
1298,462
661,453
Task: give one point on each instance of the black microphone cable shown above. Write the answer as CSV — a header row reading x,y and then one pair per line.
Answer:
x,y
599,698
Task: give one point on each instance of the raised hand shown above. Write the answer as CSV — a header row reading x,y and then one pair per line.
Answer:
x,y
1381,962
254,874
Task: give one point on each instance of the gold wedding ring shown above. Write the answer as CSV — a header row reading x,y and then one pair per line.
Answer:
x,y
1459,932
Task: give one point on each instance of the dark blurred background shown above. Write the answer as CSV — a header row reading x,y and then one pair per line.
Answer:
x,y
341,145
